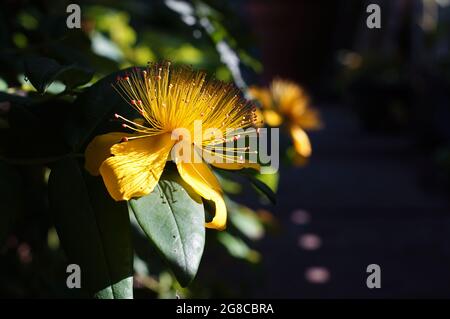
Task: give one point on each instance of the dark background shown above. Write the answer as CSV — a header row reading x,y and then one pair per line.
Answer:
x,y
376,189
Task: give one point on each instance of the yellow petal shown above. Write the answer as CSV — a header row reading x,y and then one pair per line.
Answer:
x,y
219,221
301,141
136,166
262,95
309,120
288,96
272,118
236,165
98,150
200,177
299,160
297,107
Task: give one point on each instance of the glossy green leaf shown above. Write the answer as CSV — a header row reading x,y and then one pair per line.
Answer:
x,y
173,218
41,72
94,230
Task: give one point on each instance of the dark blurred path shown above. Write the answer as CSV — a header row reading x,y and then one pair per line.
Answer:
x,y
358,202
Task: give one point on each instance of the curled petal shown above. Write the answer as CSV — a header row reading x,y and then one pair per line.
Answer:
x,y
301,141
200,177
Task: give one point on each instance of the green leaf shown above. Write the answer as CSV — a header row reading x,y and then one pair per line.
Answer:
x,y
10,198
74,76
173,218
94,230
228,185
237,248
261,186
43,71
95,109
245,220
270,180
76,47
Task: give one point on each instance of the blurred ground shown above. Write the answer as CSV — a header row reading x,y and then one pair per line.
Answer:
x,y
362,203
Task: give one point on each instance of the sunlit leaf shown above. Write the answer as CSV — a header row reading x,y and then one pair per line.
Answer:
x,y
173,218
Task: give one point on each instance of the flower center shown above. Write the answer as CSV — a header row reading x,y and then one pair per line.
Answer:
x,y
210,113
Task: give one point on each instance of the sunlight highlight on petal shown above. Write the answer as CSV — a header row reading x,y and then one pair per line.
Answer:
x,y
136,166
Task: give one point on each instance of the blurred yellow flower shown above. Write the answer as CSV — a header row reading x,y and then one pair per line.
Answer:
x,y
286,102
169,99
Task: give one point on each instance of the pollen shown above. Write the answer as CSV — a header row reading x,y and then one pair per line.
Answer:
x,y
170,97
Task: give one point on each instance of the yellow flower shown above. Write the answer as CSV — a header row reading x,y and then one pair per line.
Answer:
x,y
287,102
169,99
